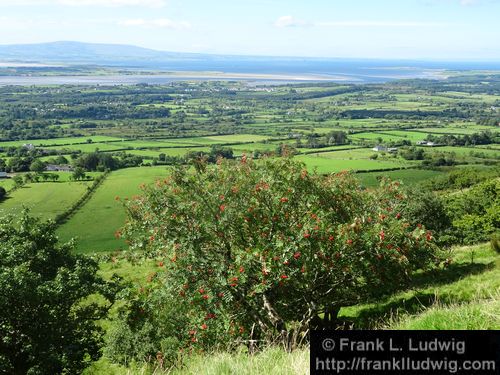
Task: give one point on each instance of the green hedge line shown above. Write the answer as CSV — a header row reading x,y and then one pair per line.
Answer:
x,y
63,217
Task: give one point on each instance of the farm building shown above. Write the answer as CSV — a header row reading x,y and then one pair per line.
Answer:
x,y
59,168
385,149
29,146
426,143
3,175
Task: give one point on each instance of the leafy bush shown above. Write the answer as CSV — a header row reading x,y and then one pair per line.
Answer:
x,y
253,249
428,208
461,178
476,212
3,193
47,325
146,330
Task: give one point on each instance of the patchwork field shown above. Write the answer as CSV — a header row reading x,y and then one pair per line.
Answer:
x,y
184,118
110,140
96,222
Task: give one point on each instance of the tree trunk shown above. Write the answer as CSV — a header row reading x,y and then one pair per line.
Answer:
x,y
278,323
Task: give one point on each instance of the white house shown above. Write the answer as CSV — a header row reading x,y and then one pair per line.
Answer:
x,y
58,168
3,175
379,148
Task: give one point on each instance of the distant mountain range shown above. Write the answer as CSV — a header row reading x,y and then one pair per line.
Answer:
x,y
128,56
78,52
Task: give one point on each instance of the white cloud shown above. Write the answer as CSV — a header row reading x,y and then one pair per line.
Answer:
x,y
289,21
96,3
163,23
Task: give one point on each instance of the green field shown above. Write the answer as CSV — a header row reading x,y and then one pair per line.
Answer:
x,y
324,149
466,151
403,134
221,139
58,141
324,165
390,136
373,136
45,200
96,222
471,129
236,138
91,147
357,159
178,151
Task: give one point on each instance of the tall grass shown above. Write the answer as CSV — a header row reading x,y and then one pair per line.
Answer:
x,y
273,360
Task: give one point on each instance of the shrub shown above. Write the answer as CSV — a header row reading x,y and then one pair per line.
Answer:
x,y
247,250
476,212
146,329
428,208
3,193
47,325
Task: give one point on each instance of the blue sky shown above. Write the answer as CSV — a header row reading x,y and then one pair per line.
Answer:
x,y
408,29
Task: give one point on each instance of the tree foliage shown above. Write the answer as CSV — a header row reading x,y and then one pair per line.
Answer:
x,y
476,212
248,248
47,322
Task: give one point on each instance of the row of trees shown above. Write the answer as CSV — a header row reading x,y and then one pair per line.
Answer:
x,y
482,138
100,161
319,141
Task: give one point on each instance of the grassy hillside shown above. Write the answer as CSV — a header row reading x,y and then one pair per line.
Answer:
x,y
470,283
466,295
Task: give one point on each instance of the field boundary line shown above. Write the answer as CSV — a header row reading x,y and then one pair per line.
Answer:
x,y
320,151
63,217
